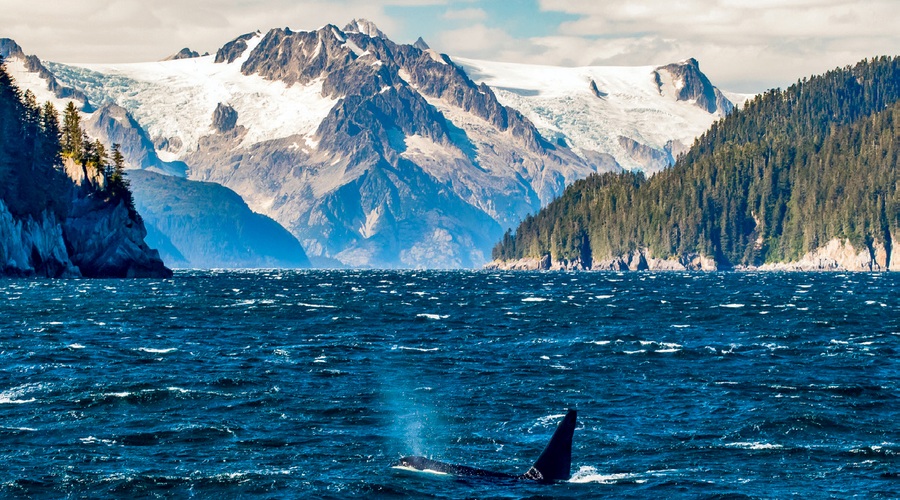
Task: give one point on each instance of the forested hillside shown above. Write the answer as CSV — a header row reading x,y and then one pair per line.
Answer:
x,y
30,180
780,178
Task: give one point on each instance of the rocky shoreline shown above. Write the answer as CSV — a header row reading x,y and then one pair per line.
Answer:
x,y
837,255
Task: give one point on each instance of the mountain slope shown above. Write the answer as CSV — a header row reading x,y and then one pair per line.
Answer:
x,y
807,175
205,225
642,116
370,152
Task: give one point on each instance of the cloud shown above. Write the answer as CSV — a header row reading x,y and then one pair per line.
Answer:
x,y
481,42
137,30
470,14
745,44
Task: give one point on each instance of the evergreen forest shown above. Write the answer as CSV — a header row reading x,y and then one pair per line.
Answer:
x,y
771,182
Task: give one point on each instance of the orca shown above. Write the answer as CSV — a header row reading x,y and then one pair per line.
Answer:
x,y
554,464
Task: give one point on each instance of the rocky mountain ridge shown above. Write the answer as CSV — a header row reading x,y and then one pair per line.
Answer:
x,y
639,118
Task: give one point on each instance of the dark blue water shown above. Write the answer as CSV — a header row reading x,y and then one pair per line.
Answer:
x,y
311,384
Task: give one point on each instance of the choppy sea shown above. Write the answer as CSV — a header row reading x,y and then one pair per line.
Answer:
x,y
312,384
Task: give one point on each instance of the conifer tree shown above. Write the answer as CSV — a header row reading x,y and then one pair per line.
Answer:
x,y
50,144
72,135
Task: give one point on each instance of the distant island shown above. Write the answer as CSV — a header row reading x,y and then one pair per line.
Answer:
x,y
799,179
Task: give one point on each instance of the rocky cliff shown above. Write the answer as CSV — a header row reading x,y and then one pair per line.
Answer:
x,y
841,255
639,260
95,238
836,255
33,246
685,82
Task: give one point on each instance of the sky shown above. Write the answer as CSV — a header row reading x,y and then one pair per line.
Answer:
x,y
742,45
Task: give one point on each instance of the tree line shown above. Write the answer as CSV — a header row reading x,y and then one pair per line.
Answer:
x,y
779,178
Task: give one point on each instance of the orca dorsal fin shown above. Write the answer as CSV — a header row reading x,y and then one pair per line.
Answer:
x,y
555,463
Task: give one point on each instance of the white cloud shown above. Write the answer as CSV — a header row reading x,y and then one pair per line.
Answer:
x,y
470,14
742,44
482,42
137,30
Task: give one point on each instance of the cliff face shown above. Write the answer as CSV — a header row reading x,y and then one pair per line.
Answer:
x,y
94,239
33,247
685,82
639,260
841,255
836,255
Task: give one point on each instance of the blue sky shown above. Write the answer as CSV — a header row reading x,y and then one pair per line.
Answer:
x,y
517,18
743,45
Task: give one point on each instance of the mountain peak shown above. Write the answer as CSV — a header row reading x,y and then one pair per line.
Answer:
x,y
184,53
235,48
420,44
685,82
365,27
9,47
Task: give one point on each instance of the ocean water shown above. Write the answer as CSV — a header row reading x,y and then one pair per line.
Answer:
x,y
311,384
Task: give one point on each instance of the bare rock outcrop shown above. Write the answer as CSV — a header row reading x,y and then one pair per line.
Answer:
x,y
638,260
841,255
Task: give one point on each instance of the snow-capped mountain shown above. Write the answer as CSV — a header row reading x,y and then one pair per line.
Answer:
x,y
642,116
380,154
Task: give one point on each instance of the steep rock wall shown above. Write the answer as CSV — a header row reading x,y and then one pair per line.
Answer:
x,y
95,238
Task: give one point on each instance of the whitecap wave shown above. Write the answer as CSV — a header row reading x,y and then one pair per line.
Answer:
x,y
16,395
157,351
94,440
432,316
116,394
592,475
21,429
754,445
